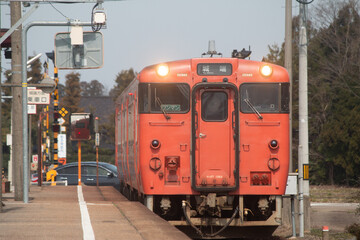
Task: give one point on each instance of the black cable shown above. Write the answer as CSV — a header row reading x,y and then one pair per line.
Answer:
x,y
227,224
184,203
95,27
60,12
198,231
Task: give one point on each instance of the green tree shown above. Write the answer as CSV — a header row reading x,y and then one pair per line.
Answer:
x,y
122,80
334,91
275,55
334,58
35,71
92,89
72,90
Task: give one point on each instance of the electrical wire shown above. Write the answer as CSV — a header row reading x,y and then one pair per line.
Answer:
x,y
67,18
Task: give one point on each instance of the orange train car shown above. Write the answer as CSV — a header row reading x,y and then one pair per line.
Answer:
x,y
204,143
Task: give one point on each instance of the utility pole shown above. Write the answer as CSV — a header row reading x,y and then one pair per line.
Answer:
x,y
97,144
1,146
303,161
16,47
288,66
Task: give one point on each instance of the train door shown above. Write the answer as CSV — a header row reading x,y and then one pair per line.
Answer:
x,y
215,137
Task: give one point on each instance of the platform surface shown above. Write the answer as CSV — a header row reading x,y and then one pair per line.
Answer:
x,y
86,212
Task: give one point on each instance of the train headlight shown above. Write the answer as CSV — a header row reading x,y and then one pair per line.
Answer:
x,y
266,70
162,70
155,144
273,144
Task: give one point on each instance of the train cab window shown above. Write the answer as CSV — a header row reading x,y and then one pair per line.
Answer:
x,y
214,106
160,97
264,97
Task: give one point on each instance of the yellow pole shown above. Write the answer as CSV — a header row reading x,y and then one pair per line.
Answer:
x,y
79,160
56,127
97,166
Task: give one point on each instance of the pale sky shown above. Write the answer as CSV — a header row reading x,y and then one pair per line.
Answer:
x,y
145,32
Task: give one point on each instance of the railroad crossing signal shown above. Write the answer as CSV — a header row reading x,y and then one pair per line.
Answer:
x,y
63,112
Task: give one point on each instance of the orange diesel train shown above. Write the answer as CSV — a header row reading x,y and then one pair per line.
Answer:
x,y
205,143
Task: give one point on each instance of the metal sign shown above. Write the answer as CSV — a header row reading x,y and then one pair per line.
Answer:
x,y
37,96
8,139
62,145
306,171
97,139
31,109
61,121
86,56
35,158
51,85
63,112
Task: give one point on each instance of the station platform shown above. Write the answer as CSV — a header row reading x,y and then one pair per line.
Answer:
x,y
81,212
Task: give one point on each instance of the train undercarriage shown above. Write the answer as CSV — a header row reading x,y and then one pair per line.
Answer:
x,y
215,215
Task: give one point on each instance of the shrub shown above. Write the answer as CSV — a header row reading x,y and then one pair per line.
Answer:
x,y
354,229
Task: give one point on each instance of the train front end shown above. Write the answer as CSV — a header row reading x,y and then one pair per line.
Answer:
x,y
213,143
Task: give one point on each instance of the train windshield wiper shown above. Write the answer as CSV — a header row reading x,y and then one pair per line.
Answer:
x,y
158,101
253,108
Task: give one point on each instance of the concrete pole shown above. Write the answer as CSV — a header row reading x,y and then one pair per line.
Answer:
x,y
303,95
288,66
16,108
303,117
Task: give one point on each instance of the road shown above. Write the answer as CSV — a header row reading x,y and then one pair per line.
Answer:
x,y
335,215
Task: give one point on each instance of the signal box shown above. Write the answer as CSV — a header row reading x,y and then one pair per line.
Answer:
x,y
81,126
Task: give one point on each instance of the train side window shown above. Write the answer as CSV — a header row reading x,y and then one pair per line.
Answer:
x,y
285,97
264,97
168,97
214,106
143,98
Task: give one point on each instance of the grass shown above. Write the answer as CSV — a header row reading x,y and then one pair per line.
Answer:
x,y
334,194
317,234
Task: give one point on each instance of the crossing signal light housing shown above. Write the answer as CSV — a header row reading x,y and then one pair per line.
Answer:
x,y
56,128
81,126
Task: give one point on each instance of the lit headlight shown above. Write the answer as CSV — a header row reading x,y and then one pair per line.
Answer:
x,y
162,70
266,70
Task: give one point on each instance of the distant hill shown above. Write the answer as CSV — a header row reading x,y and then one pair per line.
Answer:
x,y
101,107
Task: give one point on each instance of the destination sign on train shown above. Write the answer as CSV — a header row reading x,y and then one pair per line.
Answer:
x,y
214,69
